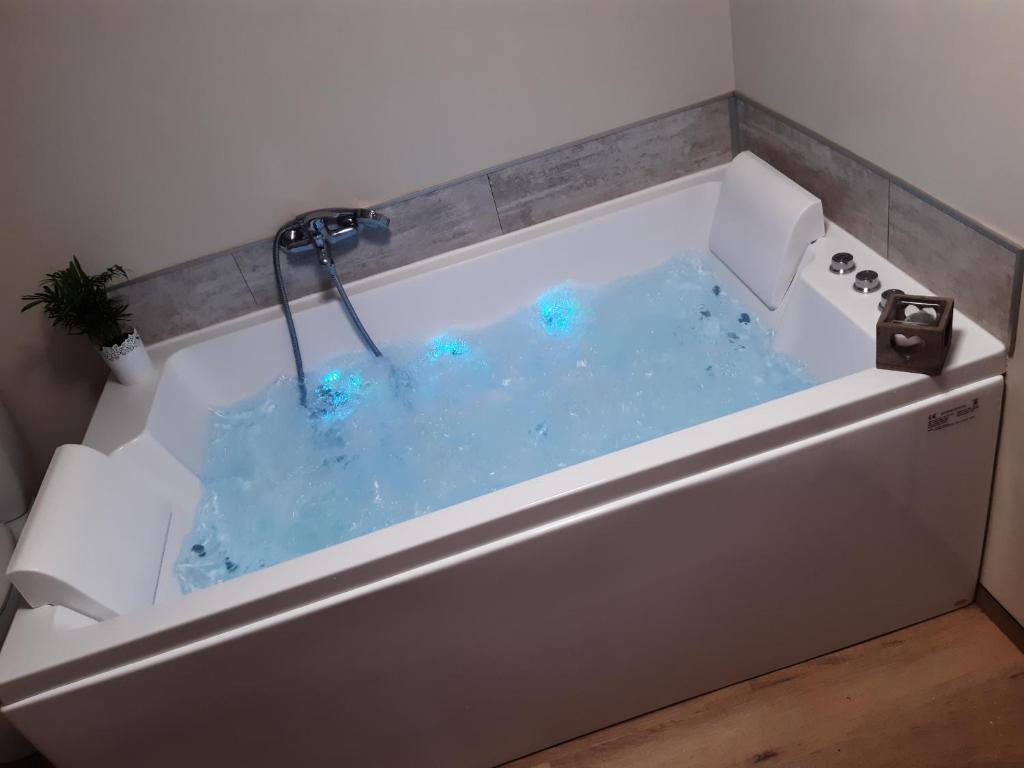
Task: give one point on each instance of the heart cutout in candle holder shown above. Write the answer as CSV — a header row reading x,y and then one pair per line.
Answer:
x,y
907,345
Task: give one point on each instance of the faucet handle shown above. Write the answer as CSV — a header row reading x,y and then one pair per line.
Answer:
x,y
368,217
342,224
294,239
345,222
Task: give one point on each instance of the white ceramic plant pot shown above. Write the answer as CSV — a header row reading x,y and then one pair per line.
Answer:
x,y
129,360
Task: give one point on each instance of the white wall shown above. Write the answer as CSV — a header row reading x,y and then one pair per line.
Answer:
x,y
167,130
150,133
933,91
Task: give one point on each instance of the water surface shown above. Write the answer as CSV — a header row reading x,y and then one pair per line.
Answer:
x,y
582,372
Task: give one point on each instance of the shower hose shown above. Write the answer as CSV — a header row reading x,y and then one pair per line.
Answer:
x,y
353,316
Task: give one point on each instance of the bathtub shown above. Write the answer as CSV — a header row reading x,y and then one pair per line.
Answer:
x,y
516,620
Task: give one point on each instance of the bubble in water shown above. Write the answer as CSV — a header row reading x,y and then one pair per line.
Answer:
x,y
447,346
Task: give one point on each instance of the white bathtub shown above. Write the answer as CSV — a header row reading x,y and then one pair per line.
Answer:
x,y
539,612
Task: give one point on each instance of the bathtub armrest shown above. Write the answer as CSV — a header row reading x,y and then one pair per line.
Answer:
x,y
94,538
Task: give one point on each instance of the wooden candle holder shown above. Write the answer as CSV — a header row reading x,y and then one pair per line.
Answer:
x,y
914,334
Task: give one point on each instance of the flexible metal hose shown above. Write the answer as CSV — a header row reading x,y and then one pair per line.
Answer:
x,y
352,314
350,310
283,294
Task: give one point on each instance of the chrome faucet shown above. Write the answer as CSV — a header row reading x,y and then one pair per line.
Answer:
x,y
317,231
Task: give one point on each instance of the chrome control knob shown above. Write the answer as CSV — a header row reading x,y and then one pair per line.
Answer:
x,y
886,295
842,263
866,281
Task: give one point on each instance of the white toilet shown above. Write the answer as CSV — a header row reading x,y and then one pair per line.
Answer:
x,y
14,504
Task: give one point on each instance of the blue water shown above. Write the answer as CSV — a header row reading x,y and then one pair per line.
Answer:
x,y
582,372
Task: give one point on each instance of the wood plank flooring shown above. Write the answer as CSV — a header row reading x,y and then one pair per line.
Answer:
x,y
947,692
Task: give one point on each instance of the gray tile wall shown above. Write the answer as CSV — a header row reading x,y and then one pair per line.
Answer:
x,y
626,161
187,297
222,286
945,250
953,260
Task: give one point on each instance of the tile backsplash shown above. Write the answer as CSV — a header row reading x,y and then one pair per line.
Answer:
x,y
186,297
953,260
214,288
943,249
625,161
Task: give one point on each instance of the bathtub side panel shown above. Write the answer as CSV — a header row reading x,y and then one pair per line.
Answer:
x,y
577,625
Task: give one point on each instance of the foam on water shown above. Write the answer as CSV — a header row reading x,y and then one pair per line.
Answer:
x,y
581,373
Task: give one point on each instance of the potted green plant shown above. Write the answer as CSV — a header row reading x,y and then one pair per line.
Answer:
x,y
79,303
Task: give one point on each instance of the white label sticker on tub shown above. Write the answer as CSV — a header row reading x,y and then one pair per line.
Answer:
x,y
950,417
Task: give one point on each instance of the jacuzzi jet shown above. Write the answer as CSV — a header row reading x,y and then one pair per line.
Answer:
x,y
316,231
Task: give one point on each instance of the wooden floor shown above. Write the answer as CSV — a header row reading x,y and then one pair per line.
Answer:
x,y
948,692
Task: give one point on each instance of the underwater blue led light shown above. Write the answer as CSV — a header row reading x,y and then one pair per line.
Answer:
x,y
336,395
559,311
447,346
